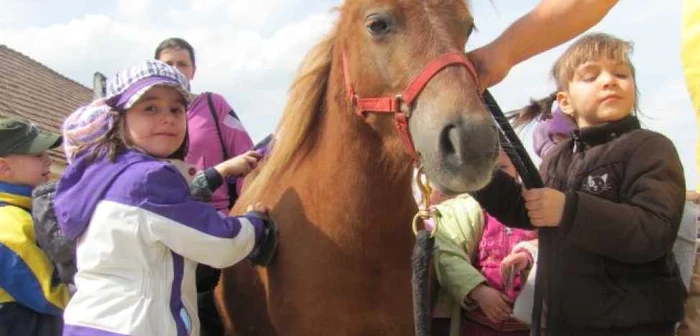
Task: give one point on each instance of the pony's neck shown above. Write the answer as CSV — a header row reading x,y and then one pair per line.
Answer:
x,y
357,156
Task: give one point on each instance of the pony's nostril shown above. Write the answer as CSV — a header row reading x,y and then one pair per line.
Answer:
x,y
450,141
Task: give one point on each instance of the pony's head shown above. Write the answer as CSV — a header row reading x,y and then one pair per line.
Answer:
x,y
384,46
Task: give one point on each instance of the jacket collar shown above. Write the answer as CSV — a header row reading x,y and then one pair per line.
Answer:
x,y
596,135
17,195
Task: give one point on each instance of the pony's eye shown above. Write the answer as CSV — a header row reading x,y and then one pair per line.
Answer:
x,y
377,25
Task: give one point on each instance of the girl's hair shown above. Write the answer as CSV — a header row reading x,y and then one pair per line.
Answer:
x,y
174,43
590,47
537,107
110,144
114,142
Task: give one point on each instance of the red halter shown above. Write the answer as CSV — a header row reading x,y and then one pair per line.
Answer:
x,y
394,104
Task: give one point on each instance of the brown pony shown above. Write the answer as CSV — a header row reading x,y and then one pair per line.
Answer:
x,y
339,185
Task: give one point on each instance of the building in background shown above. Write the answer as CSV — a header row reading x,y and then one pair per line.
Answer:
x,y
32,91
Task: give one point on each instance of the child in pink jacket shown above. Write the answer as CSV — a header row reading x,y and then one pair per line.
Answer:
x,y
475,257
505,254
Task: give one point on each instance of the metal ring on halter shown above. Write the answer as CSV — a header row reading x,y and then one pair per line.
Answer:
x,y
398,100
424,215
424,188
353,100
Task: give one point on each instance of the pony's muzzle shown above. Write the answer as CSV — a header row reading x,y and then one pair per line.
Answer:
x,y
464,143
464,153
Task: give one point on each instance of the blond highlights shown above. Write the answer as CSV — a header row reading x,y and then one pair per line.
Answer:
x,y
591,47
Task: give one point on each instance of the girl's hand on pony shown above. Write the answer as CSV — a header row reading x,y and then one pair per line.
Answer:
x,y
259,207
493,303
545,206
519,261
239,165
266,245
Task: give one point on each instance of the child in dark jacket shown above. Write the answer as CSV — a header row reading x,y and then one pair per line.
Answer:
x,y
611,210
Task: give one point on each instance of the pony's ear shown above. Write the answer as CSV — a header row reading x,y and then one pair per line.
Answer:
x,y
564,102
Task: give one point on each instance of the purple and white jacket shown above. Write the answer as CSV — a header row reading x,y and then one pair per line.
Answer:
x,y
140,236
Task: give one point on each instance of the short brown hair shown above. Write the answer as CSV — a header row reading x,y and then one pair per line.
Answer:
x,y
589,48
175,43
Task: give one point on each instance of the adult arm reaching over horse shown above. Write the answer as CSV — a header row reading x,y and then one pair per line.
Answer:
x,y
517,43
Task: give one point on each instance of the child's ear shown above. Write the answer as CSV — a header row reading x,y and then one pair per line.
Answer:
x,y
5,169
564,102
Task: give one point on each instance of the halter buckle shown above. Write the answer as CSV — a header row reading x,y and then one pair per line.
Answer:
x,y
353,100
400,102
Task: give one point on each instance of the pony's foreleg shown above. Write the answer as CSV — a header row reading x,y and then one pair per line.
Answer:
x,y
241,301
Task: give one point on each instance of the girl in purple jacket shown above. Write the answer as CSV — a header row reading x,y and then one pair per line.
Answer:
x,y
216,134
139,232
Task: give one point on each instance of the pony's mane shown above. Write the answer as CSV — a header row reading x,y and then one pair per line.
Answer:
x,y
304,105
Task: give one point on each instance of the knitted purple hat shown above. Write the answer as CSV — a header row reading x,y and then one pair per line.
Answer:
x,y
86,125
543,135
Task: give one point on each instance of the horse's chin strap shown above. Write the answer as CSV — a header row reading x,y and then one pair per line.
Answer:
x,y
401,104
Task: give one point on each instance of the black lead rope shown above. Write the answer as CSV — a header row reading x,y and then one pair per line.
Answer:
x,y
531,178
423,248
513,147
420,261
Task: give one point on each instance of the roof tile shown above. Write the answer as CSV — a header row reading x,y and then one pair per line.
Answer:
x,y
33,91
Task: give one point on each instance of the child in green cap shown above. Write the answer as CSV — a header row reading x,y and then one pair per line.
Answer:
x,y
31,298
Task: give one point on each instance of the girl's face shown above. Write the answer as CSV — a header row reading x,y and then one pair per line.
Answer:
x,y
157,122
179,59
600,91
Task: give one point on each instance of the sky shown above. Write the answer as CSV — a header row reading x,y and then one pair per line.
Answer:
x,y
249,50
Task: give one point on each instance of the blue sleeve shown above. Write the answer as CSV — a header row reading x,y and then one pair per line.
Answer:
x,y
18,280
